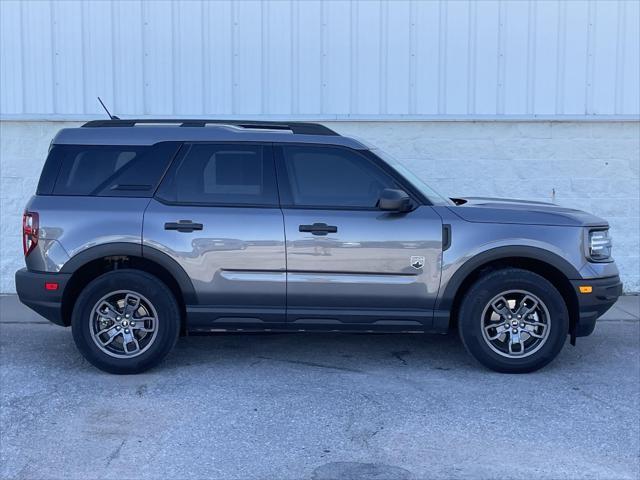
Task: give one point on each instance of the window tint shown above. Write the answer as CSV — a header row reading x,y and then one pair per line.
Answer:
x,y
333,177
221,174
130,171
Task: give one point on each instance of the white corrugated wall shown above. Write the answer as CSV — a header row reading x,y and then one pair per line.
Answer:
x,y
321,59
544,95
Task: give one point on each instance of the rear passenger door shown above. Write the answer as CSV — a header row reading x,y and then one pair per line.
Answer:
x,y
217,214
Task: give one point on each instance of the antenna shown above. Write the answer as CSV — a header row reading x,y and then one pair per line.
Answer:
x,y
112,117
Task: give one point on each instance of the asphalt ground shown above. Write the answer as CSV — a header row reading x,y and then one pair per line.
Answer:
x,y
318,406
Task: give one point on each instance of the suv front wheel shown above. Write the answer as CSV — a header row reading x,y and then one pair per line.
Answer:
x,y
125,321
513,321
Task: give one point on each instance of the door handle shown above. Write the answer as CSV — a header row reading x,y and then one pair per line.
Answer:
x,y
318,228
183,226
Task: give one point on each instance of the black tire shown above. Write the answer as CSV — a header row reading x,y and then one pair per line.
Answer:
x,y
481,294
155,291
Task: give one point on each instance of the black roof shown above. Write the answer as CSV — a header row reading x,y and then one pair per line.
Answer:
x,y
302,128
151,131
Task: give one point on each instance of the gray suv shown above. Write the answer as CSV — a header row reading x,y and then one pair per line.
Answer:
x,y
141,231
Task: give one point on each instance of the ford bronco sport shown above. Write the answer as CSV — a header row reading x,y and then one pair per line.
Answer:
x,y
144,230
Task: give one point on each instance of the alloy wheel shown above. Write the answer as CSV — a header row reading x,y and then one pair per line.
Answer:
x,y
515,323
124,324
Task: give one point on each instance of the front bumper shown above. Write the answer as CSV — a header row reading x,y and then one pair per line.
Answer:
x,y
605,292
32,291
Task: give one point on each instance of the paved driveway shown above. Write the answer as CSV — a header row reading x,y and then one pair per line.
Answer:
x,y
318,407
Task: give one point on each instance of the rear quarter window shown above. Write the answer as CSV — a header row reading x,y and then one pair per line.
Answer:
x,y
106,170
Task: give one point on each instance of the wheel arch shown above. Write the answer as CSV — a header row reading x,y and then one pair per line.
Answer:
x,y
92,262
549,265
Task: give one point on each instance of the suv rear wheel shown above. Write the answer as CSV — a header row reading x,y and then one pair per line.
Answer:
x,y
125,321
513,321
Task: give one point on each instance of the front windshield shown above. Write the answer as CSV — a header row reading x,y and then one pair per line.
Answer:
x,y
434,197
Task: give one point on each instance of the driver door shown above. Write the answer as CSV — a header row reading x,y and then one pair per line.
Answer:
x,y
351,265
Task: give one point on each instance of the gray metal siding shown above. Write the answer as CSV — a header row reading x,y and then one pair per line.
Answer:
x,y
321,59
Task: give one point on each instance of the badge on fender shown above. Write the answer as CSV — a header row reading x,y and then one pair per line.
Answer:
x,y
417,262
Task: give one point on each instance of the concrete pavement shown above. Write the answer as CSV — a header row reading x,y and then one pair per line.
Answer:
x,y
320,406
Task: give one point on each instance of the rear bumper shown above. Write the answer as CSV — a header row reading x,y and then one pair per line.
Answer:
x,y
592,305
32,291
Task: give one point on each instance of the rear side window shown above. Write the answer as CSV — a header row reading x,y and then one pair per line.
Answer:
x,y
221,174
107,170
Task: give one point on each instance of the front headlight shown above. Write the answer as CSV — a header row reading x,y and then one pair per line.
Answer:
x,y
599,245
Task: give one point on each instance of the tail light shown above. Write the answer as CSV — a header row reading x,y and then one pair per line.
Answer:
x,y
30,232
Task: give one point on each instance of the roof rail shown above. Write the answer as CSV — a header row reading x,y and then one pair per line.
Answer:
x,y
303,128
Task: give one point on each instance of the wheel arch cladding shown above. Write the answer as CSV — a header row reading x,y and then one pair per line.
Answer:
x,y
552,267
90,263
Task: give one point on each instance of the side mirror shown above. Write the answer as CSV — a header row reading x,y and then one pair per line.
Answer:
x,y
392,200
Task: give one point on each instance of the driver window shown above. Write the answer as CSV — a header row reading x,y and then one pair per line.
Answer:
x,y
333,177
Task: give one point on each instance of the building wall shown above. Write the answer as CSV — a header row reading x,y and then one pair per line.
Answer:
x,y
588,165
489,97
321,59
